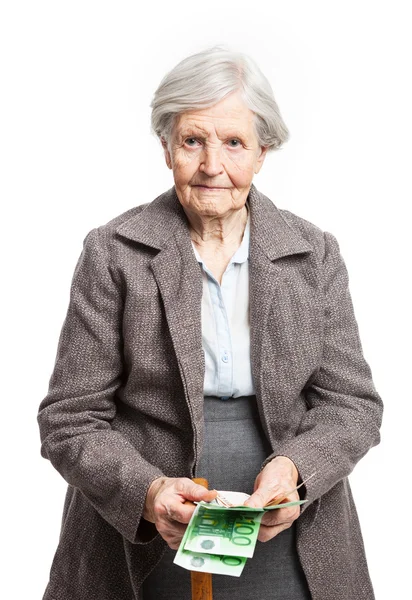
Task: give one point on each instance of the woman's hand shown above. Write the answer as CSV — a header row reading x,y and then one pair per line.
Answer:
x,y
278,477
165,506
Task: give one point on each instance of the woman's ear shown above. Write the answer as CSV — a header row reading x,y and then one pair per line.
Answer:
x,y
168,157
260,158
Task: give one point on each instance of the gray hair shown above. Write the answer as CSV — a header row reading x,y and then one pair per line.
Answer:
x,y
203,79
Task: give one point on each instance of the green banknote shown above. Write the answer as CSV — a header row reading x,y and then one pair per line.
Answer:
x,y
210,563
223,531
219,539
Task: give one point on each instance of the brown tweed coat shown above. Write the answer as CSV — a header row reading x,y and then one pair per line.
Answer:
x,y
125,398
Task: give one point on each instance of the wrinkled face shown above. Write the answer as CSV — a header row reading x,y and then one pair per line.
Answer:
x,y
214,153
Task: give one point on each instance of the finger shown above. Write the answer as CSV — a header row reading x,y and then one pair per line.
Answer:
x,y
280,515
172,508
174,544
193,491
170,502
173,541
171,531
259,498
268,533
264,494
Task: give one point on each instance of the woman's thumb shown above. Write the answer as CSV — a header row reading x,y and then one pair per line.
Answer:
x,y
197,493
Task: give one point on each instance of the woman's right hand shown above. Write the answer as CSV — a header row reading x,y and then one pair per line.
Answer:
x,y
165,506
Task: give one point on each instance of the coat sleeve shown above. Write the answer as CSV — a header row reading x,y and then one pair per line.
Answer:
x,y
344,409
75,417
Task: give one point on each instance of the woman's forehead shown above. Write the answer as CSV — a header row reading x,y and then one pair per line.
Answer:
x,y
209,126
205,125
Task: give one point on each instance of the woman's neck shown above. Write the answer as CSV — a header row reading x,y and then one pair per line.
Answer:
x,y
218,232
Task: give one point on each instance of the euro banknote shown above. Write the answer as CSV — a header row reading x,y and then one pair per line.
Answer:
x,y
204,562
223,531
222,534
210,563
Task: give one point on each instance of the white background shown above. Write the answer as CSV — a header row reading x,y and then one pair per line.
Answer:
x,y
77,79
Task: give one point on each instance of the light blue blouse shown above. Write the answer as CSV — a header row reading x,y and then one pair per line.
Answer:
x,y
226,326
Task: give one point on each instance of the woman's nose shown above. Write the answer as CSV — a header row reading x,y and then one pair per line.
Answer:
x,y
211,162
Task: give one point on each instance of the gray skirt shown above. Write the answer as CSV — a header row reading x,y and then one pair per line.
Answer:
x,y
234,450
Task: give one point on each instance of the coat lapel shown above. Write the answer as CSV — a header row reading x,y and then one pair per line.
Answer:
x,y
163,225
179,278
271,239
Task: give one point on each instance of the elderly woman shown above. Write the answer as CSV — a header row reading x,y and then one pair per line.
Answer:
x,y
209,333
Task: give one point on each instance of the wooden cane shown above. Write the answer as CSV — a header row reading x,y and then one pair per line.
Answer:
x,y
201,582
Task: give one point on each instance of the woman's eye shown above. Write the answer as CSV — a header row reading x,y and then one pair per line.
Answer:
x,y
234,143
191,141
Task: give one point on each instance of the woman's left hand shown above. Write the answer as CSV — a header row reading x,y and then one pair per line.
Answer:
x,y
278,477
